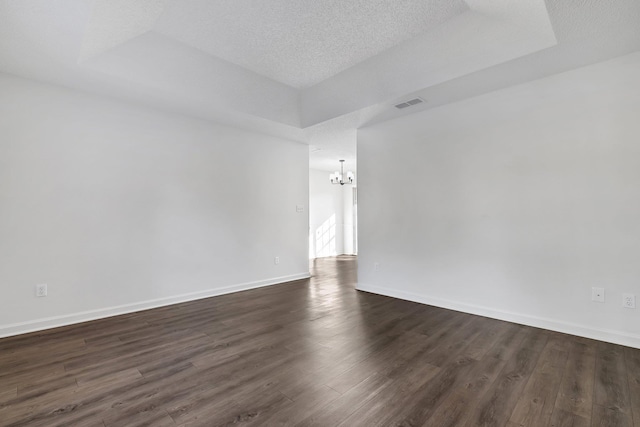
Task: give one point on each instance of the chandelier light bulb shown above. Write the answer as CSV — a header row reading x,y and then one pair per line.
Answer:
x,y
338,177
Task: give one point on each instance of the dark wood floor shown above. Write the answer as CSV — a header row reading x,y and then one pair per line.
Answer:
x,y
314,352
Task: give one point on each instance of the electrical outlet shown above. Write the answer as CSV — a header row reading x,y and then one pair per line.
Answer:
x,y
276,260
628,301
376,266
597,294
41,290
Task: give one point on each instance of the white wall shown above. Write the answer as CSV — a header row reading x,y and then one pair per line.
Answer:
x,y
512,204
326,216
119,208
349,227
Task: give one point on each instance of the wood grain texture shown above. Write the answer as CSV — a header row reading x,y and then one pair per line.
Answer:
x,y
576,389
536,404
561,418
497,405
612,405
632,359
313,353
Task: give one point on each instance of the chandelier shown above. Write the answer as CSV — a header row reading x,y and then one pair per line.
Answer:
x,y
340,178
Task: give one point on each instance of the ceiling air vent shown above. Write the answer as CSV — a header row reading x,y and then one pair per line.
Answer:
x,y
409,103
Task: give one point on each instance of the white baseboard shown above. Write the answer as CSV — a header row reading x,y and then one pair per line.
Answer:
x,y
85,316
615,337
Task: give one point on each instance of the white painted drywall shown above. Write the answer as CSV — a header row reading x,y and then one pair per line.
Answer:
x,y
119,208
512,204
349,212
326,216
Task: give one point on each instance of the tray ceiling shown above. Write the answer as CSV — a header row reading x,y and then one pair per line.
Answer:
x,y
307,70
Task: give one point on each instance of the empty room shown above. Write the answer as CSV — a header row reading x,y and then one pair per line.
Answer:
x,y
320,213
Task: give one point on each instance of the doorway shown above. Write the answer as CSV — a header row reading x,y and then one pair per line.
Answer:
x,y
332,217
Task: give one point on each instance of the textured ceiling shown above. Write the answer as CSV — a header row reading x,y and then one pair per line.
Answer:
x,y
311,71
300,43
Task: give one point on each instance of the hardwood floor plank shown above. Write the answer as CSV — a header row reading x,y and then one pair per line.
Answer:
x,y
392,358
40,371
610,417
576,389
496,407
427,351
385,404
489,335
460,405
561,418
293,413
154,418
244,410
340,409
419,407
632,359
536,404
39,409
8,392
611,382
265,379
509,342
36,386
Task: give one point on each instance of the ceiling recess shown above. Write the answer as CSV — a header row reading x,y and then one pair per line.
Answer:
x,y
409,103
